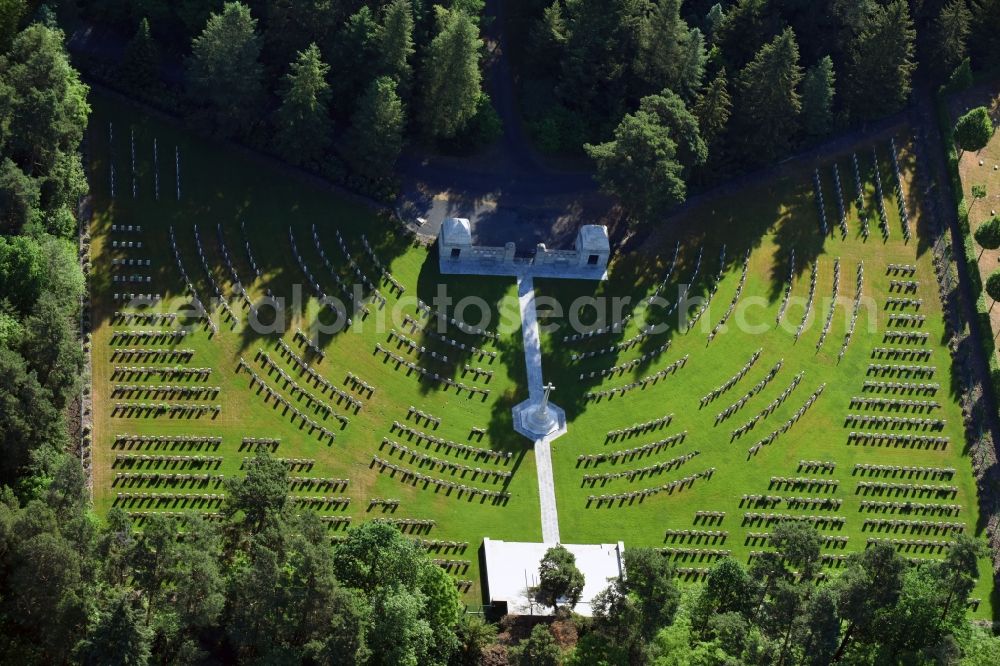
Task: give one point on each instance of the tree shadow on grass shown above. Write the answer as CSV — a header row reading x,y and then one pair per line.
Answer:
x,y
637,276
466,296
797,229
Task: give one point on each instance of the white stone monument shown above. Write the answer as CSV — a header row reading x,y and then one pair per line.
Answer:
x,y
541,418
588,260
536,419
455,239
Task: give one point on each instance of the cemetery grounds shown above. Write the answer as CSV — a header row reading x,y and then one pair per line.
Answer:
x,y
981,167
674,477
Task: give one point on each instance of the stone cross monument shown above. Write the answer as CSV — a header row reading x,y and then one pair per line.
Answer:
x,y
541,418
535,418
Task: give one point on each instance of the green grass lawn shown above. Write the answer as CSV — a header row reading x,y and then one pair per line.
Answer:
x,y
771,220
220,186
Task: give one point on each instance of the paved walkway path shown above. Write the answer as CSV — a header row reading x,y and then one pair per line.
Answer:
x,y
529,331
547,490
543,448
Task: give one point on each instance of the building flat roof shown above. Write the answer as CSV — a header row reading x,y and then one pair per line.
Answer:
x,y
512,568
456,231
594,238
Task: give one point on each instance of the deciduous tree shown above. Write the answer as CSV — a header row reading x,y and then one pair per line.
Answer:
x,y
958,574
651,580
799,546
45,113
822,626
260,496
634,607
414,606
987,234
867,591
474,635
993,287
22,271
539,649
640,166
670,112
728,588
559,578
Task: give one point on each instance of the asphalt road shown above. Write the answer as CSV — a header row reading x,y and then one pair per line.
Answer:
x,y
507,192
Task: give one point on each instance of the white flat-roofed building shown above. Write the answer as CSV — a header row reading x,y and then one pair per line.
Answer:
x,y
512,569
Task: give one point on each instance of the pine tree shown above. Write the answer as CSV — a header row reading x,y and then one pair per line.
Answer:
x,y
291,25
985,42
355,48
879,64
397,43
692,70
120,635
672,54
960,78
225,71
817,98
951,32
745,27
600,56
303,132
451,75
11,13
767,100
376,134
141,64
714,19
713,108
